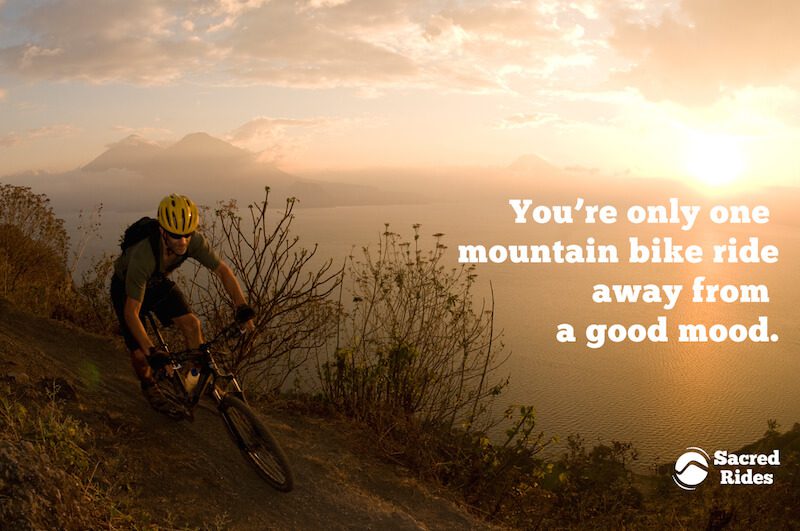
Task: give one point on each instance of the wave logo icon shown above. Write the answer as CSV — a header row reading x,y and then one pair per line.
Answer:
x,y
691,468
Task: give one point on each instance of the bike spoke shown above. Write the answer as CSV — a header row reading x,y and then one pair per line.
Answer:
x,y
258,444
274,468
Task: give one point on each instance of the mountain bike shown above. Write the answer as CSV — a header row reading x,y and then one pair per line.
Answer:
x,y
186,376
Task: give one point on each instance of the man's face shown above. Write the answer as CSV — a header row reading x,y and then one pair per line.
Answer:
x,y
177,243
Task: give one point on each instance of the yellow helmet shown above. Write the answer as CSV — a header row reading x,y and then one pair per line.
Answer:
x,y
178,214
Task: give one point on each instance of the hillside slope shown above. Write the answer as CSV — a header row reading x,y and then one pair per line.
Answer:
x,y
190,474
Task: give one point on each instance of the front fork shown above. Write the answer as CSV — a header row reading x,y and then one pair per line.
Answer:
x,y
231,387
223,384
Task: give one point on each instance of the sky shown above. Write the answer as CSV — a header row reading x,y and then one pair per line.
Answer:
x,y
702,90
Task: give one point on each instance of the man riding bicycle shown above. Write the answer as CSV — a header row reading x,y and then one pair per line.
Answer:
x,y
140,285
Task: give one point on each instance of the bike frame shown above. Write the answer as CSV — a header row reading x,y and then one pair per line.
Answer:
x,y
210,371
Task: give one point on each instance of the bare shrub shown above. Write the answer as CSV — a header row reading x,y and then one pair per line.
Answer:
x,y
289,293
417,360
413,342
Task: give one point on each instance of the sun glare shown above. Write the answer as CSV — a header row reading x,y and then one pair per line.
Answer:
x,y
714,160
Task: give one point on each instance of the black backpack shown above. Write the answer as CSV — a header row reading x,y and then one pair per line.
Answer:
x,y
146,227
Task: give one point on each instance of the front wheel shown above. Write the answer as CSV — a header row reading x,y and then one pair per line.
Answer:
x,y
257,443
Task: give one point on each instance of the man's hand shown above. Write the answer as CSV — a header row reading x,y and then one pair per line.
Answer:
x,y
245,315
157,358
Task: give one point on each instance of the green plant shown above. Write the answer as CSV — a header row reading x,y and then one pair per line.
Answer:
x,y
595,485
49,466
33,250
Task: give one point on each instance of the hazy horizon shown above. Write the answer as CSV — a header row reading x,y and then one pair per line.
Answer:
x,y
133,174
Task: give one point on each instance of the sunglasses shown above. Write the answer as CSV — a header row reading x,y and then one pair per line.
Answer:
x,y
179,236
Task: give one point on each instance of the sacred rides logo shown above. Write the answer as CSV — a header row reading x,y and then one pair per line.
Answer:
x,y
692,468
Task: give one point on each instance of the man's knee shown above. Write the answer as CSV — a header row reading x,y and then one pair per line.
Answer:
x,y
189,324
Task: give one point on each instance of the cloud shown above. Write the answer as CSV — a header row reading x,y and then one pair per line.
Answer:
x,y
372,44
262,126
536,119
300,52
515,21
273,137
3,92
710,48
237,7
9,139
327,3
158,133
51,131
377,15
98,41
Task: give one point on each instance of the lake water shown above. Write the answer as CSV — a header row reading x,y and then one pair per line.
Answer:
x,y
663,397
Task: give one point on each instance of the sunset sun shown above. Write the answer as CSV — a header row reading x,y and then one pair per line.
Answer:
x,y
714,160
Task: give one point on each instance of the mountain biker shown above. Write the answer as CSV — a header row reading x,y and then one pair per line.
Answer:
x,y
140,284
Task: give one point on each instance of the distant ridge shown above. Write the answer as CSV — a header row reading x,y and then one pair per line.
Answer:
x,y
136,153
128,153
134,173
204,146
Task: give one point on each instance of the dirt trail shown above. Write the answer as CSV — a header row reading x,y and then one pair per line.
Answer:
x,y
192,474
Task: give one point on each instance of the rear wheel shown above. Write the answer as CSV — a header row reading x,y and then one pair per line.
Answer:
x,y
257,443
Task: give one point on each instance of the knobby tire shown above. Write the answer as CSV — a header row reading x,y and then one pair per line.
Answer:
x,y
257,443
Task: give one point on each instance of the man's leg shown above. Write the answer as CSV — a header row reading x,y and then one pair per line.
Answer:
x,y
141,367
151,391
189,326
172,307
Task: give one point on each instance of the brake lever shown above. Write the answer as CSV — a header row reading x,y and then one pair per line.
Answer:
x,y
234,331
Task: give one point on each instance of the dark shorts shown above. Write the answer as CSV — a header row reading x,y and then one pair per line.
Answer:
x,y
162,297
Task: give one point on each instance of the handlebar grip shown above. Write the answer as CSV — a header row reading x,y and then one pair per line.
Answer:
x,y
234,331
158,359
244,313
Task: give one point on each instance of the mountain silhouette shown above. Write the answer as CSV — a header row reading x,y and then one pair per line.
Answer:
x,y
134,173
128,153
204,146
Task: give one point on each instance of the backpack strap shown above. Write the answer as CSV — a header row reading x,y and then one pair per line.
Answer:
x,y
155,245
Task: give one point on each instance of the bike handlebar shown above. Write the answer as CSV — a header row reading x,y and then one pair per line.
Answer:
x,y
231,331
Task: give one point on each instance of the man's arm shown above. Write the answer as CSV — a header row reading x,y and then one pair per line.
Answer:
x,y
132,309
225,274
